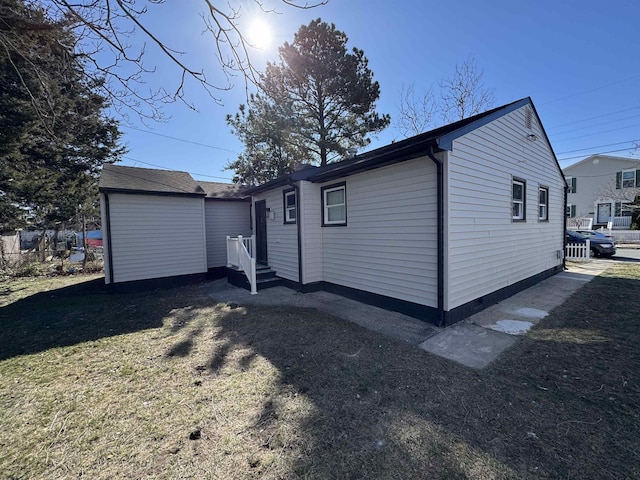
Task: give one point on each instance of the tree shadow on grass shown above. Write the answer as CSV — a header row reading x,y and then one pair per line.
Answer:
x,y
84,312
554,406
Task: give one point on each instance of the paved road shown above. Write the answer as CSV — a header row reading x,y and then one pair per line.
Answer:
x,y
627,255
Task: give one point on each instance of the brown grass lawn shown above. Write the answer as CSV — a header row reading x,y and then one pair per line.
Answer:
x,y
167,384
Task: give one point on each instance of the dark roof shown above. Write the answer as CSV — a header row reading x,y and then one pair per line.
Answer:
x,y
223,191
119,178
437,140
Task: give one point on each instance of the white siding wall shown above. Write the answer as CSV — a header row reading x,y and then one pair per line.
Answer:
x,y
224,218
486,249
597,181
156,236
282,240
311,232
389,246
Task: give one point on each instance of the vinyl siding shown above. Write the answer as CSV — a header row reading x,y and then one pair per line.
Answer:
x,y
485,249
596,181
282,240
156,236
224,218
388,246
311,232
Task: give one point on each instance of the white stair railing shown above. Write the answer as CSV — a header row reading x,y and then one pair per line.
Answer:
x,y
240,256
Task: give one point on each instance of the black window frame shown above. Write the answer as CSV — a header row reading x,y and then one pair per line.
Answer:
x,y
285,208
323,191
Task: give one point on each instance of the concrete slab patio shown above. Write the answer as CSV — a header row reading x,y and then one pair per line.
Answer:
x,y
475,342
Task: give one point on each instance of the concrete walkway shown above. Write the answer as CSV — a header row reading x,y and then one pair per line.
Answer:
x,y
474,342
481,338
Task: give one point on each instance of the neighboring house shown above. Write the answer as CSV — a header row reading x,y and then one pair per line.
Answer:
x,y
602,188
165,227
438,226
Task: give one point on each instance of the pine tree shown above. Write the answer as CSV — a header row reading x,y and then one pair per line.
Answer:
x,y
323,97
54,135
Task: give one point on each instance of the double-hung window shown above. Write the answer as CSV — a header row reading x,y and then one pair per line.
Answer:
x,y
289,206
518,204
543,204
571,182
628,179
334,205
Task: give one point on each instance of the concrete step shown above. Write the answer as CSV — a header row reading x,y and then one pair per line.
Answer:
x,y
265,278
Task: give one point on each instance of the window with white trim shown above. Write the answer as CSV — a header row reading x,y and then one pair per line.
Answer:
x,y
628,179
518,191
571,211
571,182
543,204
289,206
334,205
623,209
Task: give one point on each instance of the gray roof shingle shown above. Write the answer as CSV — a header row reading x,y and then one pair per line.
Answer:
x,y
147,180
223,191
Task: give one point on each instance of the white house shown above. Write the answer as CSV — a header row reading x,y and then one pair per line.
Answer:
x,y
438,226
601,189
163,227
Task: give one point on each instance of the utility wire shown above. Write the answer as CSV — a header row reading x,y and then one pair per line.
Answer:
x,y
598,133
598,153
166,168
584,92
181,139
592,118
597,146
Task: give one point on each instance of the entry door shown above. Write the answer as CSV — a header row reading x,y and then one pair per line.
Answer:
x,y
604,212
261,232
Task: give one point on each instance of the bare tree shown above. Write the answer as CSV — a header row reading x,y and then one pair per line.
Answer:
x,y
104,29
464,94
628,197
460,96
416,114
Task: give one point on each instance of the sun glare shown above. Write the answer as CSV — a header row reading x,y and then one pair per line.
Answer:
x,y
259,34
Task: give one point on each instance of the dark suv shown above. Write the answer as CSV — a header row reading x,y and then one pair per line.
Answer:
x,y
600,247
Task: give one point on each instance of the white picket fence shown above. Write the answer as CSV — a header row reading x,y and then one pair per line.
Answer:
x,y
579,252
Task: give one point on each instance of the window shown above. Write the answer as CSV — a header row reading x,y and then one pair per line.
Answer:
x,y
334,205
571,182
518,200
571,211
628,179
543,204
289,199
623,209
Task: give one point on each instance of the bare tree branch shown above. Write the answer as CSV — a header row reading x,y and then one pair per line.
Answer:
x,y
105,27
464,94
416,114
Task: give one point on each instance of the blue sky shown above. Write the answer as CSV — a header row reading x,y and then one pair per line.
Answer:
x,y
577,60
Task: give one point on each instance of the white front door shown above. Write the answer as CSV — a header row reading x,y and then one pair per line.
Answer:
x,y
604,212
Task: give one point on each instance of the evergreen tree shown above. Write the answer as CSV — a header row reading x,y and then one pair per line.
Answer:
x,y
54,134
320,94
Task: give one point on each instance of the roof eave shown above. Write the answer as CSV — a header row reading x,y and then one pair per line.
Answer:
x,y
150,192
